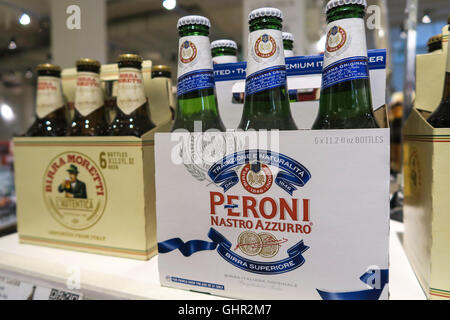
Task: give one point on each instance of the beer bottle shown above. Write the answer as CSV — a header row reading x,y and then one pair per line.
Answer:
x,y
288,44
224,51
434,43
164,73
132,110
89,118
345,98
440,118
197,100
50,106
161,71
266,103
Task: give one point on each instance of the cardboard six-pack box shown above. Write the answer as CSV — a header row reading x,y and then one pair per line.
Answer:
x,y
426,181
282,215
112,207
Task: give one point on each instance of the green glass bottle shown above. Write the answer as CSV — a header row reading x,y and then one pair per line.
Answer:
x,y
224,51
197,102
288,44
345,98
50,105
440,118
266,103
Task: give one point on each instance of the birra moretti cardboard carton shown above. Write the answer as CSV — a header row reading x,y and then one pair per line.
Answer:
x,y
275,215
426,180
110,208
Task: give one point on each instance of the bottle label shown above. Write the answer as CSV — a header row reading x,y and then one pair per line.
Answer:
x,y
288,53
195,67
130,90
345,55
266,67
49,96
89,93
224,59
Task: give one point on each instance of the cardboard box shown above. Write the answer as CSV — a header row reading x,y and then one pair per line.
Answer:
x,y
113,208
426,206
308,219
426,175
430,75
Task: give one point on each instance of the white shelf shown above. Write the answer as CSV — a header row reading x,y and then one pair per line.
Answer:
x,y
104,277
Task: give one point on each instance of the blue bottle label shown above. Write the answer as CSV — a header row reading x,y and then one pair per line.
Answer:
x,y
266,67
195,67
195,80
345,56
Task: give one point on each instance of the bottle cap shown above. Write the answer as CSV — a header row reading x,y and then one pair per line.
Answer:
x,y
224,43
88,62
161,68
189,20
129,57
339,3
265,12
48,66
287,36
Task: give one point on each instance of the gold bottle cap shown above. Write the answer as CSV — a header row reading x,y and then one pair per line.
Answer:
x,y
88,62
129,57
434,39
161,68
48,66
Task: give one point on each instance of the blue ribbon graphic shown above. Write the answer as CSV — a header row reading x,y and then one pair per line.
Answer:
x,y
292,262
291,173
371,294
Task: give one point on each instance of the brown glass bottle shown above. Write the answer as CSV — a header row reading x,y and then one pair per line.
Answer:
x,y
89,118
434,43
440,118
50,105
132,110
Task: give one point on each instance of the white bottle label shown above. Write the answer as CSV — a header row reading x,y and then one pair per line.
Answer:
x,y
195,67
266,66
224,59
345,55
130,90
49,95
288,53
89,93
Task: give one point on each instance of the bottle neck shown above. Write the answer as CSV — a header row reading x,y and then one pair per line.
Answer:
x,y
345,56
130,88
49,97
195,66
224,55
265,44
89,93
266,97
288,45
345,100
161,74
223,51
